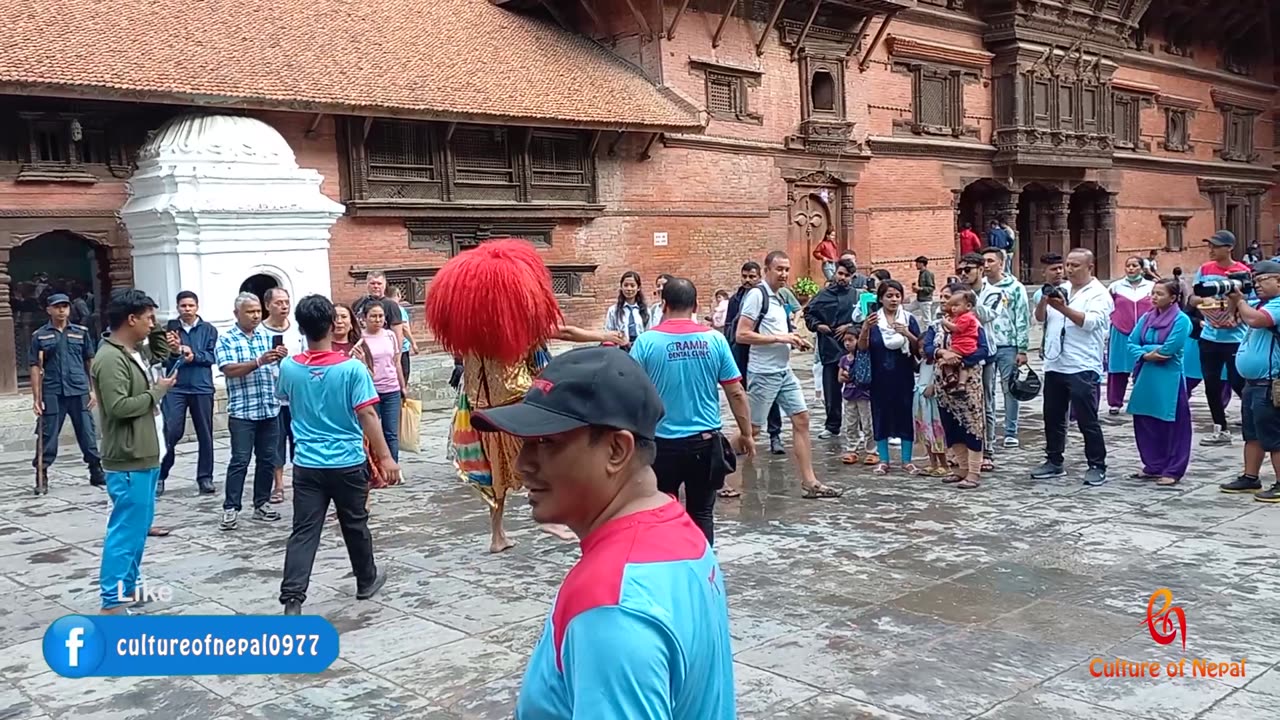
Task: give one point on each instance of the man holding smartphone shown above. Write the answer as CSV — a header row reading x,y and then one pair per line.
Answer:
x,y
763,324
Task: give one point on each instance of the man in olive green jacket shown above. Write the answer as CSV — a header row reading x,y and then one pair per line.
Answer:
x,y
131,430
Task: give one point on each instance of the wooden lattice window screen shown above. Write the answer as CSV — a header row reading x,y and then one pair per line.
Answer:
x,y
49,142
557,160
482,155
724,94
400,151
93,147
566,283
1126,126
933,102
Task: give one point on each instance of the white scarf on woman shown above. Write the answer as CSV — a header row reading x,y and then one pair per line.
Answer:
x,y
894,340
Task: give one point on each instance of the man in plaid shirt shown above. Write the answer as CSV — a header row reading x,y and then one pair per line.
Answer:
x,y
245,356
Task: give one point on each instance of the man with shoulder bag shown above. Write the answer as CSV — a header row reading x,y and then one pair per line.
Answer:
x,y
1258,363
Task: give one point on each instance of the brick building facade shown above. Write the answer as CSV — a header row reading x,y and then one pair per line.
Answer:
x,y
657,135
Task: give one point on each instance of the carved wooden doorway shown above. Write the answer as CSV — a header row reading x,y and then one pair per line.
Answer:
x,y
1038,227
1090,222
810,221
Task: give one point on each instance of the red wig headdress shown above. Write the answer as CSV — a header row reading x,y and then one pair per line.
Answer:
x,y
494,301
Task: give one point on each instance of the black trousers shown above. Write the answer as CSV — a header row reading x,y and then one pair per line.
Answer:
x,y
694,463
1064,393
313,488
176,408
57,408
1213,356
741,354
251,439
832,399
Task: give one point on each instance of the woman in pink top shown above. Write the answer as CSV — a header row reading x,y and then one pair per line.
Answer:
x,y
383,353
1131,296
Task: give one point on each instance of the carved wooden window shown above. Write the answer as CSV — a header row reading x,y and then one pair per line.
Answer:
x,y
1236,61
823,92
1125,117
1237,135
937,100
415,163
1177,130
1174,227
1067,107
566,284
726,95
482,155
1089,109
557,159
67,147
1040,104
822,88
401,151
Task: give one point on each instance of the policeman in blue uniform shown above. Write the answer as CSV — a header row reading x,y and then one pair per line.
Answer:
x,y
59,358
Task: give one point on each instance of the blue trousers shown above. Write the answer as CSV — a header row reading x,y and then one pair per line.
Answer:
x,y
389,413
57,408
176,407
133,507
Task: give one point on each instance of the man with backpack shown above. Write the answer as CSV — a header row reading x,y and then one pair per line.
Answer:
x,y
1003,237
764,324
742,352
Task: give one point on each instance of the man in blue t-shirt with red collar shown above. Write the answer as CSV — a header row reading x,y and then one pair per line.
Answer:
x,y
1221,334
640,625
332,398
688,363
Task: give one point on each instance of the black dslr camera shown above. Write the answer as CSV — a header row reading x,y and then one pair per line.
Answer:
x,y
1220,287
1053,291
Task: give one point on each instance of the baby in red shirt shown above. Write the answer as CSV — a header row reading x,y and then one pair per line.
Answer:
x,y
962,325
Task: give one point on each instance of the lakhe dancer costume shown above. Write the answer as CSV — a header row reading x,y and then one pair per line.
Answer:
x,y
494,307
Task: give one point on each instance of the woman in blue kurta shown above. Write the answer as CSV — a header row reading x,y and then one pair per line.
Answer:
x,y
893,337
1161,413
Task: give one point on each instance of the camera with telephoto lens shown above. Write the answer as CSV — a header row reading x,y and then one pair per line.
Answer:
x,y
1053,291
1241,282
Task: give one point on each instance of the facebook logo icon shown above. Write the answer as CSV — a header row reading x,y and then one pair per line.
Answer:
x,y
73,646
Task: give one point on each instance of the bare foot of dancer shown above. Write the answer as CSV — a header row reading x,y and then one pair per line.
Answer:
x,y
561,531
499,543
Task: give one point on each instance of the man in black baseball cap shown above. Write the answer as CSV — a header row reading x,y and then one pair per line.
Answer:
x,y
647,597
1220,334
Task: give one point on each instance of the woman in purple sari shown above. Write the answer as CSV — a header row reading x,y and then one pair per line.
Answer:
x,y
1158,403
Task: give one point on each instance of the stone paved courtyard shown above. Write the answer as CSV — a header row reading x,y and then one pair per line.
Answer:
x,y
903,599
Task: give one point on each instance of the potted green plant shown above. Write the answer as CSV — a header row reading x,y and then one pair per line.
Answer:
x,y
805,288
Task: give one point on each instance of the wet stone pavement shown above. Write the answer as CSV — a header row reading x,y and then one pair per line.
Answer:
x,y
903,599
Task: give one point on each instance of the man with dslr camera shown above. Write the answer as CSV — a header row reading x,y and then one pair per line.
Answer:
x,y
1077,315
1258,364
1222,331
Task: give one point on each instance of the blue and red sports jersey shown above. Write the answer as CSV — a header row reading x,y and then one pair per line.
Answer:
x,y
324,390
639,629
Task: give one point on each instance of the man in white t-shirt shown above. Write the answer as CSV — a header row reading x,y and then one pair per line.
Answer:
x,y
763,324
1077,318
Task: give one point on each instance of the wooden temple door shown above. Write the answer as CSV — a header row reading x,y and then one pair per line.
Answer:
x,y
810,220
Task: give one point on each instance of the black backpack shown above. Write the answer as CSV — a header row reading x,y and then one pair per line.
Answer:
x,y
731,328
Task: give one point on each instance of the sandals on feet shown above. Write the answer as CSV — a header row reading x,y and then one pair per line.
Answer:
x,y
952,479
870,459
1167,483
849,459
277,496
968,483
728,493
988,465
820,491
881,469
911,469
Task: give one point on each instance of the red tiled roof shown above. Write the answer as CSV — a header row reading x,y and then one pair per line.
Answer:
x,y
430,58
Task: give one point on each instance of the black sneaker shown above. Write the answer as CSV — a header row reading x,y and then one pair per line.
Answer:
x,y
265,514
293,607
1094,477
378,581
1047,470
1242,484
97,477
206,487
1270,495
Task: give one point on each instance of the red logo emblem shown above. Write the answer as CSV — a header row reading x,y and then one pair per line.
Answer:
x,y
543,385
1167,632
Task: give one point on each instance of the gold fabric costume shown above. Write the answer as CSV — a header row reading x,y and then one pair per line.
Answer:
x,y
489,383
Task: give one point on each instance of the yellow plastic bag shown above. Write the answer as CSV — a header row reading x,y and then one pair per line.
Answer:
x,y
410,423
